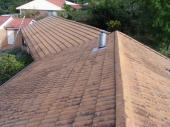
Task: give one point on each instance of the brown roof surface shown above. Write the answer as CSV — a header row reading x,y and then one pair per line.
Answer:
x,y
3,19
72,89
142,85
15,23
125,84
52,35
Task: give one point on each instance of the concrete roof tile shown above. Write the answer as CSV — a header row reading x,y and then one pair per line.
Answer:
x,y
143,75
125,84
69,109
53,35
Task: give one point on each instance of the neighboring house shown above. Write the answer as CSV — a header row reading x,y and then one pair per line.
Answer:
x,y
125,84
4,20
12,28
46,6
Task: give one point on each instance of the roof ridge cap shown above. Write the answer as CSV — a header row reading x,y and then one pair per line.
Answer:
x,y
145,46
124,115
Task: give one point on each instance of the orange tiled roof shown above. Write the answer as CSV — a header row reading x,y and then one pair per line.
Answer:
x,y
142,85
73,88
125,84
52,35
15,23
3,19
59,3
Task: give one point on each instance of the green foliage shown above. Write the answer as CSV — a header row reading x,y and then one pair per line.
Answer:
x,y
31,13
22,56
12,61
1,12
165,52
34,14
154,19
9,66
108,10
9,6
68,13
113,25
72,14
13,51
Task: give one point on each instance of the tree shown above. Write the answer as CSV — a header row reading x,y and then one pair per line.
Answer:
x,y
111,10
154,18
72,14
9,66
9,6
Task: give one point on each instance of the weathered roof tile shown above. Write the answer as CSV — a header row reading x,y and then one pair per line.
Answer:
x,y
125,84
53,35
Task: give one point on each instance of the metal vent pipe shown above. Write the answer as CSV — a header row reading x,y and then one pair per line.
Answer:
x,y
102,39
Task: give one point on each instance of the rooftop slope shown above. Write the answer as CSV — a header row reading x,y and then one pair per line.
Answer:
x,y
53,35
75,88
3,19
57,2
142,85
15,23
125,84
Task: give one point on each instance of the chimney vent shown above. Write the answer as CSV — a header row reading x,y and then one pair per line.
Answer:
x,y
102,39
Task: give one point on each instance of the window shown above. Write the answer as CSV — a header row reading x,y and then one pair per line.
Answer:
x,y
24,42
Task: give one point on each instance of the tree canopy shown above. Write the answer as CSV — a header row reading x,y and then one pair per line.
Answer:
x,y
9,6
9,66
154,18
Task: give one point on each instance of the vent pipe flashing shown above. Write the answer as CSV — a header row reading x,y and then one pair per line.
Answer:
x,y
102,39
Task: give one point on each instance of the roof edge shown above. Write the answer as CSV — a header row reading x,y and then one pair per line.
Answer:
x,y
124,115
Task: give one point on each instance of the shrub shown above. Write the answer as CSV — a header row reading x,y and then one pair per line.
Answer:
x,y
72,14
9,66
13,51
12,61
113,25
